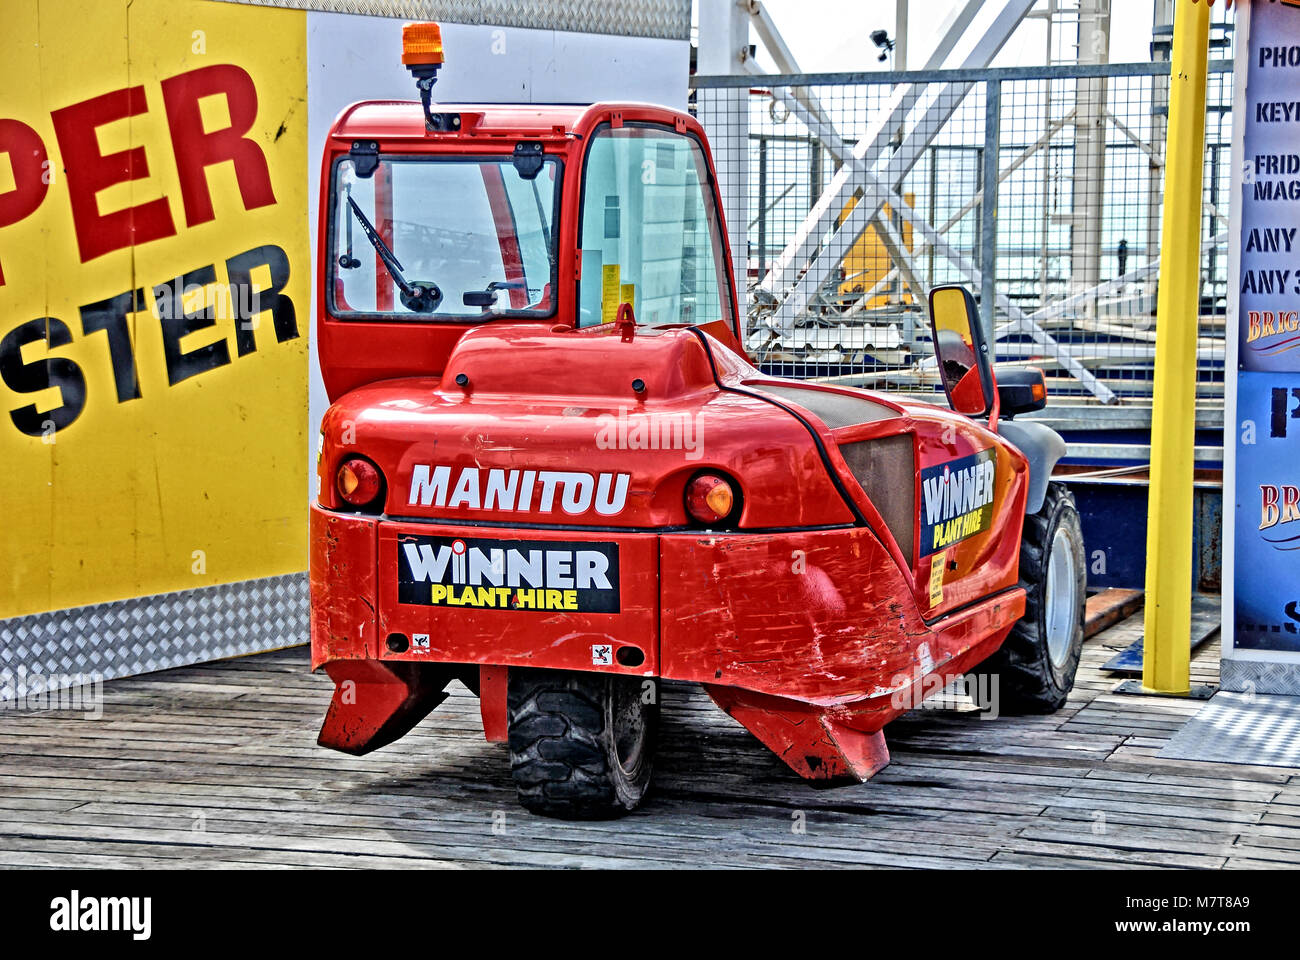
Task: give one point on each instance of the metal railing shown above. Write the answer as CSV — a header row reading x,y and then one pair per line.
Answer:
x,y
863,190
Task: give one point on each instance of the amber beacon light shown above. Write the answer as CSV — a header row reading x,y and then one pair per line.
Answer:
x,y
422,46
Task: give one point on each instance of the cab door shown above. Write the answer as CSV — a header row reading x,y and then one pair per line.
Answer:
x,y
651,235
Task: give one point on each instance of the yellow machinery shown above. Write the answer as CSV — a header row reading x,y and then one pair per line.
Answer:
x,y
868,261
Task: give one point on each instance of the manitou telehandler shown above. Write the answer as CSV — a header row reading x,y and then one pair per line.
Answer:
x,y
550,471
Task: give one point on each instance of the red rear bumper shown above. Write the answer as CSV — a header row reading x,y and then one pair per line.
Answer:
x,y
781,628
821,616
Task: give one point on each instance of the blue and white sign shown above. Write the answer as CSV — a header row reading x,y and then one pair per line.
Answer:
x,y
1269,327
1267,535
1261,617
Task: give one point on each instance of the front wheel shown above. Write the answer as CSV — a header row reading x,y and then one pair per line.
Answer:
x,y
1036,664
581,744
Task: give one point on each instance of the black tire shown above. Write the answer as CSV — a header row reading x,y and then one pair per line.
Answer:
x,y
581,744
1030,680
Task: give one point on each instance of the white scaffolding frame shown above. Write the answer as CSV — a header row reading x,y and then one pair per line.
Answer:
x,y
855,174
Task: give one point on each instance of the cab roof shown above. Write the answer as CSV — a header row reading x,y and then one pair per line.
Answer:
x,y
403,119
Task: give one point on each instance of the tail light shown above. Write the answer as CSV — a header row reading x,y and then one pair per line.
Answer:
x,y
710,499
358,482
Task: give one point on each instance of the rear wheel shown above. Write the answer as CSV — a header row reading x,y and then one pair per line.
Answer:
x,y
1036,664
581,744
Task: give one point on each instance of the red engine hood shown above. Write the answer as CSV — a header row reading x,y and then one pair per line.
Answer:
x,y
585,428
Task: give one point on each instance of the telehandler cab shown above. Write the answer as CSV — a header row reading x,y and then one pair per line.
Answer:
x,y
551,472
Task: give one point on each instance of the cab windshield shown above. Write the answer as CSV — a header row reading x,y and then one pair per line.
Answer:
x,y
449,239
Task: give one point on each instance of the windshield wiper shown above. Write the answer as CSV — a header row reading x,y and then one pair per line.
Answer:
x,y
420,297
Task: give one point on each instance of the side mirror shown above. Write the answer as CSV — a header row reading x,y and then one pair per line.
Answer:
x,y
1021,390
962,354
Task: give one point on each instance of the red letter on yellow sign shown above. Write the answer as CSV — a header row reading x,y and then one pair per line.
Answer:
x,y
89,172
197,149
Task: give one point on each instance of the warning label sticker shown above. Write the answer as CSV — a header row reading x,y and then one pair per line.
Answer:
x,y
936,578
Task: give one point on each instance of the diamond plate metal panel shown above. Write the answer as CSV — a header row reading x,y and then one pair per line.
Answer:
x,y
1236,728
1260,676
664,19
127,637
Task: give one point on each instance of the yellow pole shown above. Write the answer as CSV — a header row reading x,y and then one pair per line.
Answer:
x,y
1167,645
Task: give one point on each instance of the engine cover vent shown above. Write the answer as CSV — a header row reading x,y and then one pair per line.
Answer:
x,y
886,470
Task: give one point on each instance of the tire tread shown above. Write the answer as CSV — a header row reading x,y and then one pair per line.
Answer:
x,y
559,745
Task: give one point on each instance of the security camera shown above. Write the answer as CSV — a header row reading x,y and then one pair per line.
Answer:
x,y
881,39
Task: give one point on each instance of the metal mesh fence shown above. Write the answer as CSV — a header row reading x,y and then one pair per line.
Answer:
x,y
859,192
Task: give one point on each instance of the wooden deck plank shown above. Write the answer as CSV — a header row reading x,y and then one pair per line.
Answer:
x,y
230,747
1110,607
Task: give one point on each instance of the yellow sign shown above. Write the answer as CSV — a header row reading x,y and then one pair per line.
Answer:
x,y
609,292
155,280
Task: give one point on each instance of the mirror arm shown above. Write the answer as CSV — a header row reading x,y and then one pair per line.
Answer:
x,y
986,352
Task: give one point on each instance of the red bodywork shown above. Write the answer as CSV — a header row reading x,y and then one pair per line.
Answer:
x,y
814,622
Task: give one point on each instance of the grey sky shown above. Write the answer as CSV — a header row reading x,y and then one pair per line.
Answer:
x,y
833,35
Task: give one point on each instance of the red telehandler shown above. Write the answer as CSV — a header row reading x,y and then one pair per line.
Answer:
x,y
551,472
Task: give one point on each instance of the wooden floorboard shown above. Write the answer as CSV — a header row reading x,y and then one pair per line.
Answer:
x,y
217,766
